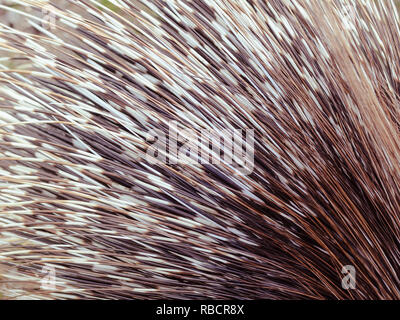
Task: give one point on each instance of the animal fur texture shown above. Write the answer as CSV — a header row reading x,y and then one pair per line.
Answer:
x,y
318,81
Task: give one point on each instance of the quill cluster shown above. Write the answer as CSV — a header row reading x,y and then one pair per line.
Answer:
x,y
318,81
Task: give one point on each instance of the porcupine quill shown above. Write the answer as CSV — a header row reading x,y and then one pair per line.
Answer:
x,y
320,88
